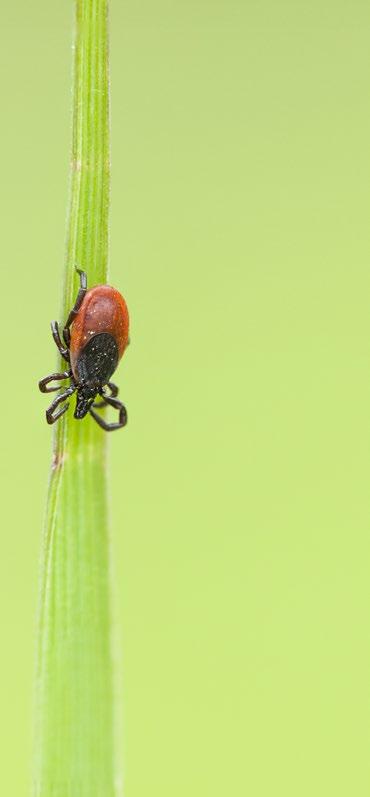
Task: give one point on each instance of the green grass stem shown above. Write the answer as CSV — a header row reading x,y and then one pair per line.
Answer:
x,y
75,740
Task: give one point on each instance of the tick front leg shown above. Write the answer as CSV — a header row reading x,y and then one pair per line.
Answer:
x,y
45,381
114,390
77,304
122,418
50,416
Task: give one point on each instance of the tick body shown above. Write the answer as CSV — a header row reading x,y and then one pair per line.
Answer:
x,y
95,336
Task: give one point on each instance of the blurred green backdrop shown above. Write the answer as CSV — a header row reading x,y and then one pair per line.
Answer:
x,y
240,490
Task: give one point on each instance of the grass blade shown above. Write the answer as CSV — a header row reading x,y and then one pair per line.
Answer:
x,y
75,701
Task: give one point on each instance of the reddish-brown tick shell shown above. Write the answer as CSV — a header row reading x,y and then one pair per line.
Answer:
x,y
102,310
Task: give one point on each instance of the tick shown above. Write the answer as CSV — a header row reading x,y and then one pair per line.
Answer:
x,y
94,338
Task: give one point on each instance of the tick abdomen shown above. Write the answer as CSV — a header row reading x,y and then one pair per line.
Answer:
x,y
102,312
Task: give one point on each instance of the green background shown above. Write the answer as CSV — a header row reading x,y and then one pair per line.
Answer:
x,y
240,489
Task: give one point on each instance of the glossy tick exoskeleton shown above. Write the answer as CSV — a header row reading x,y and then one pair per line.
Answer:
x,y
95,336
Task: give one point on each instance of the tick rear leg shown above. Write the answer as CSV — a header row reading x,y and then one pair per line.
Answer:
x,y
122,418
76,306
114,390
57,340
50,416
45,381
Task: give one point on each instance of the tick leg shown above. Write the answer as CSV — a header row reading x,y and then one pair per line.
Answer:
x,y
67,337
56,335
122,418
45,381
114,390
76,306
50,416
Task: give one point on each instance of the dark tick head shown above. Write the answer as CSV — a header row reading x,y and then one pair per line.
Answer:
x,y
85,397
